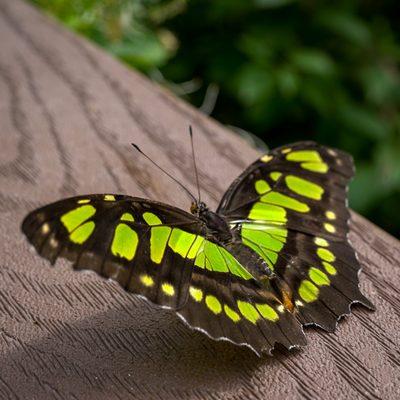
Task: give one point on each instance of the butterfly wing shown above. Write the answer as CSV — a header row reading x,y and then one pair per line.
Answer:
x,y
228,308
167,256
113,235
291,208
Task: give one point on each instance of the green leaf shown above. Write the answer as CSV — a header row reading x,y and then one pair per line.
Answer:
x,y
348,26
288,82
314,62
142,51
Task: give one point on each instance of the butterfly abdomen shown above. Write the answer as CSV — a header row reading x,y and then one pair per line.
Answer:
x,y
253,261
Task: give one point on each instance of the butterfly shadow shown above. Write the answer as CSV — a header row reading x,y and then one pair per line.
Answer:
x,y
132,348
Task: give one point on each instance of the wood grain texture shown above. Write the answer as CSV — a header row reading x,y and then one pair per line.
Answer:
x,y
67,115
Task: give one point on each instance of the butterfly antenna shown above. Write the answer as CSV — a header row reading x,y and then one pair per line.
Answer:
x,y
163,170
194,162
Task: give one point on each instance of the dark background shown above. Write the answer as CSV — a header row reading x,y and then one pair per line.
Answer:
x,y
276,70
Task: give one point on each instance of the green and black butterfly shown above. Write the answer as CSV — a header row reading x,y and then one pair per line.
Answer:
x,y
273,258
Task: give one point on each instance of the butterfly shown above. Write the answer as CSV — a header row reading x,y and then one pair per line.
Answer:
x,y
273,258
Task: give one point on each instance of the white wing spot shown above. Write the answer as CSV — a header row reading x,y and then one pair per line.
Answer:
x,y
299,303
45,228
266,158
332,152
281,308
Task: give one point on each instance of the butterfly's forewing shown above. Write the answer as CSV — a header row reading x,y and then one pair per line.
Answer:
x,y
291,208
164,254
121,238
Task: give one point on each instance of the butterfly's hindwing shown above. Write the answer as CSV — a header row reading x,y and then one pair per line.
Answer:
x,y
244,313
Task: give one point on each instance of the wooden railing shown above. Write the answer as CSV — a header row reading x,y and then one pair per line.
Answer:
x,y
68,112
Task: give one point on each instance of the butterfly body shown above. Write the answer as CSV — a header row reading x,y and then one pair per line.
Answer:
x,y
273,258
220,231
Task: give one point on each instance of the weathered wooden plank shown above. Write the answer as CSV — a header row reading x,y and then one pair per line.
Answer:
x,y
68,113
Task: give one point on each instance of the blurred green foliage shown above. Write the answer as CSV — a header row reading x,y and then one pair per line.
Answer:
x,y
284,70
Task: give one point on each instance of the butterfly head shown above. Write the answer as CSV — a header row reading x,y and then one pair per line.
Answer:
x,y
198,207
